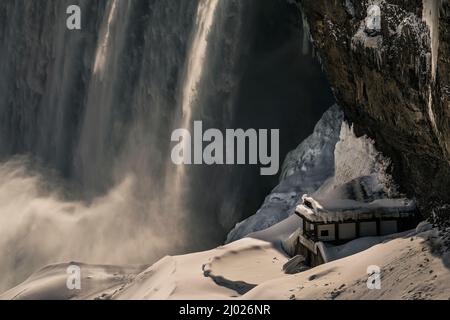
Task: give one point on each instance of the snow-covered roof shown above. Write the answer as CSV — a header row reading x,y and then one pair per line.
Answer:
x,y
323,211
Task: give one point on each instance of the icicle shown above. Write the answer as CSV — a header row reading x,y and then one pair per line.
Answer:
x,y
431,112
307,38
430,16
349,7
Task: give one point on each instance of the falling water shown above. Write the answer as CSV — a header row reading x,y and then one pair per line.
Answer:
x,y
193,74
102,49
86,118
93,158
116,212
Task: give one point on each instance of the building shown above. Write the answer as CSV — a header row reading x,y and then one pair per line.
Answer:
x,y
341,221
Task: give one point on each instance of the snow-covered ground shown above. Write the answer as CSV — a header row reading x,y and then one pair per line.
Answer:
x,y
409,270
247,261
252,269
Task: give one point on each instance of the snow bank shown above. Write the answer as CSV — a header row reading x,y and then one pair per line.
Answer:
x,y
409,270
332,253
186,277
50,283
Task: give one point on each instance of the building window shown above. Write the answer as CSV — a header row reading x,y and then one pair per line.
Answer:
x,y
324,233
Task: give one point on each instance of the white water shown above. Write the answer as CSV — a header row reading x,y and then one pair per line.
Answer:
x,y
193,75
102,49
39,227
197,54
127,225
94,140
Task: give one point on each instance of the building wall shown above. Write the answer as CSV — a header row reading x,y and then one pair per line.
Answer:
x,y
331,232
389,227
367,229
347,231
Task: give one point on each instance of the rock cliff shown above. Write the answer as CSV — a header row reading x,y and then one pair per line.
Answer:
x,y
388,62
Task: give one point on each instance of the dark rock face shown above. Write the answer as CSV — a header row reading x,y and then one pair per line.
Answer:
x,y
394,82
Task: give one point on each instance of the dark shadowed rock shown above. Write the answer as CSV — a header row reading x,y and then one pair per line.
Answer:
x,y
393,83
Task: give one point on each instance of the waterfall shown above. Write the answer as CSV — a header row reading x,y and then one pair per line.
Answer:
x,y
86,118
120,147
93,156
102,49
117,212
192,76
196,56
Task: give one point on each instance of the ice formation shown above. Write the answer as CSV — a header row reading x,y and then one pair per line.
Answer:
x,y
368,35
430,16
349,7
305,169
373,20
334,166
